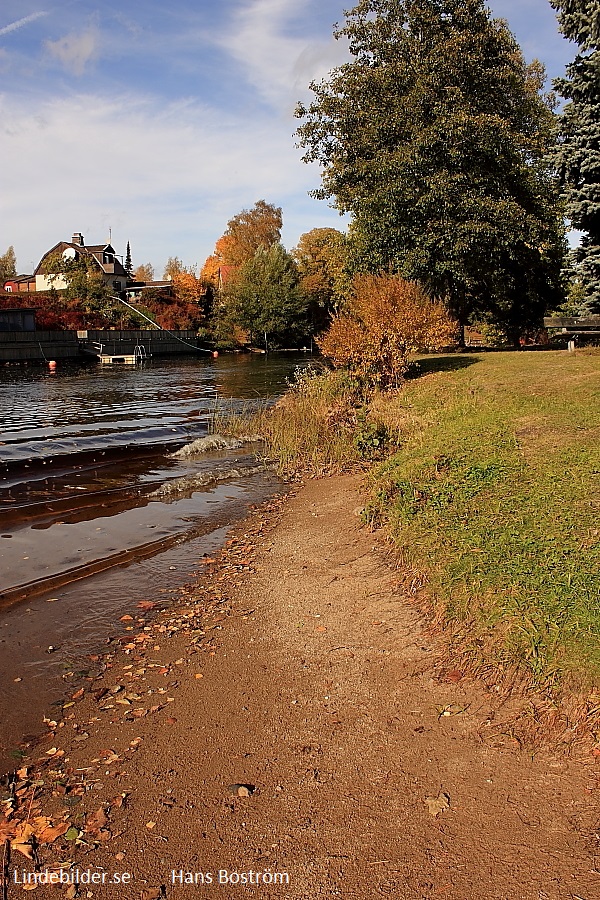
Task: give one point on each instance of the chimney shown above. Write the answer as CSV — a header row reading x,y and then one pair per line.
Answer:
x,y
77,239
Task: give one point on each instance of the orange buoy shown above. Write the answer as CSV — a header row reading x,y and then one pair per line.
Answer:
x,y
52,364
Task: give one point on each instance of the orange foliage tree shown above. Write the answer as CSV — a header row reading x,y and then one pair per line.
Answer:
x,y
387,319
245,233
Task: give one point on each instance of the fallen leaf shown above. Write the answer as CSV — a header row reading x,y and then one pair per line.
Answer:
x,y
438,804
78,694
126,619
7,830
96,821
25,849
454,676
51,833
150,825
72,834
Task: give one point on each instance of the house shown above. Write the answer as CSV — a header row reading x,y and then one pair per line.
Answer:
x,y
224,274
101,255
21,284
137,289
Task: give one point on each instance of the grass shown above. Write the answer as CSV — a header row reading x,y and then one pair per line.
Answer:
x,y
490,490
311,430
494,500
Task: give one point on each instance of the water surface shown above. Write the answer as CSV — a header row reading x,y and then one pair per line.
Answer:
x,y
97,513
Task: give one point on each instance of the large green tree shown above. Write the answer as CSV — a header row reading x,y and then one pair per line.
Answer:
x,y
578,156
264,298
433,137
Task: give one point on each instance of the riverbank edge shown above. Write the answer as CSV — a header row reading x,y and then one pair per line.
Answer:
x,y
31,794
62,825
329,423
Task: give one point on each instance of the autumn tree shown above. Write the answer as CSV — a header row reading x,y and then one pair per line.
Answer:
x,y
245,233
578,156
386,319
144,272
8,265
174,266
434,138
322,260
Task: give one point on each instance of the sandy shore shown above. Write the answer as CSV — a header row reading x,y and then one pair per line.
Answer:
x,y
287,724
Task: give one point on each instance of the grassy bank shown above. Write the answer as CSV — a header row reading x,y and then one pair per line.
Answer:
x,y
491,494
494,500
315,428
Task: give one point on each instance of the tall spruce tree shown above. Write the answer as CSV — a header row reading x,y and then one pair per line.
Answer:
x,y
433,138
128,264
578,155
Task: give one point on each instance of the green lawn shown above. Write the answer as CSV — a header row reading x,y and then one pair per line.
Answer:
x,y
494,498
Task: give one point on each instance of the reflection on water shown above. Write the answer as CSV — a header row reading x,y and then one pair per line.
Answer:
x,y
97,512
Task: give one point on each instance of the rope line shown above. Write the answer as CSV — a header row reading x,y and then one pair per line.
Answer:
x,y
160,328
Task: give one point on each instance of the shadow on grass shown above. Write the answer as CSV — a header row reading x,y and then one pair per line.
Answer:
x,y
427,364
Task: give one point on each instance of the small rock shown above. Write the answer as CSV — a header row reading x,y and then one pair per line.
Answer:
x,y
242,790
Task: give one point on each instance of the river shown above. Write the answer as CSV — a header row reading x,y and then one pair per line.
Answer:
x,y
101,508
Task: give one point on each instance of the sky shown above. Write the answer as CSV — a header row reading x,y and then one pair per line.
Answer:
x,y
155,122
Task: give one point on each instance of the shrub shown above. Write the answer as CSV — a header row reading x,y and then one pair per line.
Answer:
x,y
387,319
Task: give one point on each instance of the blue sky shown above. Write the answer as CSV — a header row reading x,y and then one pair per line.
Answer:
x,y
161,120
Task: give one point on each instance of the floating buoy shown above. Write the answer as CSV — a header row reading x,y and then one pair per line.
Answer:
x,y
215,354
52,364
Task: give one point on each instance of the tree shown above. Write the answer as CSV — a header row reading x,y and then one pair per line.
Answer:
x,y
8,265
578,156
175,267
387,318
145,272
188,288
245,233
85,283
264,299
433,137
128,264
322,257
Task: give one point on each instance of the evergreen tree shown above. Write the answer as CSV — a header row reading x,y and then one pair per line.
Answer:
x,y
578,156
433,138
128,264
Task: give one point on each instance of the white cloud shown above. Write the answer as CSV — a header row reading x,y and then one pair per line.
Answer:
x,y
277,63
21,22
75,51
167,177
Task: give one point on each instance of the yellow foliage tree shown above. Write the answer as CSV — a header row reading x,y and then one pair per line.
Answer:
x,y
188,288
386,320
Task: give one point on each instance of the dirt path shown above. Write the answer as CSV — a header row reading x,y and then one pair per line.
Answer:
x,y
319,687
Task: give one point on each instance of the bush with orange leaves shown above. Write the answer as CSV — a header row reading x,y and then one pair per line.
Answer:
x,y
386,320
